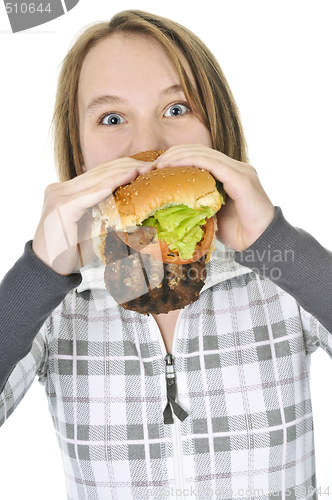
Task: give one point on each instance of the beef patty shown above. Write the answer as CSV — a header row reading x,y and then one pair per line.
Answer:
x,y
140,283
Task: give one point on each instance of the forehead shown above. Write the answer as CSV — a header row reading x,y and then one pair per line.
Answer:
x,y
125,61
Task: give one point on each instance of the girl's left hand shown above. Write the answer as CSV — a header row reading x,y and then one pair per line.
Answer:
x,y
248,210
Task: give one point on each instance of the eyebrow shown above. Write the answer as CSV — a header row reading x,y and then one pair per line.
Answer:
x,y
114,99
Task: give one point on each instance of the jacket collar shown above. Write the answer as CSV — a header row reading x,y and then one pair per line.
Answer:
x,y
222,266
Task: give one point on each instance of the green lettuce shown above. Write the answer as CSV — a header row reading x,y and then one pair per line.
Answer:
x,y
180,227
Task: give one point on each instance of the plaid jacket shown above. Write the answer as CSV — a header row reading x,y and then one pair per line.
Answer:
x,y
242,355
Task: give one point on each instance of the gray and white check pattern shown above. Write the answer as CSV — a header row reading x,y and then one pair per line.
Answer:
x,y
241,361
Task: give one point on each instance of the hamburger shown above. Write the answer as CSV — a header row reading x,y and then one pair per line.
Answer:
x,y
155,236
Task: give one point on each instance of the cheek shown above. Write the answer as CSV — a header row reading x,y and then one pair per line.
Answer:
x,y
96,151
200,134
206,138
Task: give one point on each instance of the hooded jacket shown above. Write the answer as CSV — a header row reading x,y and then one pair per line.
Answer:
x,y
239,421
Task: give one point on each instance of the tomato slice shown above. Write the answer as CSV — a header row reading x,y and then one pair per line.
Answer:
x,y
144,240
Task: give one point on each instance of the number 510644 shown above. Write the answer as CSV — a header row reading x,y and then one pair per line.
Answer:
x,y
27,8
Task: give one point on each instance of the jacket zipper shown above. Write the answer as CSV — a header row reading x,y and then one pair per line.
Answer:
x,y
176,434
179,479
172,407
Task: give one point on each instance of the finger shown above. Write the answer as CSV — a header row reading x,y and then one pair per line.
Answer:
x,y
101,173
203,161
191,151
219,165
77,203
176,151
238,179
188,153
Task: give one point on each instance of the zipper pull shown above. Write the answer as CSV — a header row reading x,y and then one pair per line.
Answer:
x,y
170,372
171,393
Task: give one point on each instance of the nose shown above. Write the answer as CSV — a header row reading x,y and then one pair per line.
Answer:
x,y
147,136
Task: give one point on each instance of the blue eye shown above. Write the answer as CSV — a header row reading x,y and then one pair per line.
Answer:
x,y
112,119
176,110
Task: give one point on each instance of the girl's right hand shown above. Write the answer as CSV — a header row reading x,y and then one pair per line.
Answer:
x,y
65,221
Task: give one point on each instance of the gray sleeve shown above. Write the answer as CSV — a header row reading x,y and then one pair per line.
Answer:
x,y
297,263
29,292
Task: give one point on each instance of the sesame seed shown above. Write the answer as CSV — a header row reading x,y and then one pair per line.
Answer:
x,y
178,191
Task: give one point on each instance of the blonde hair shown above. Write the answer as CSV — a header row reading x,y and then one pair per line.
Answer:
x,y
212,99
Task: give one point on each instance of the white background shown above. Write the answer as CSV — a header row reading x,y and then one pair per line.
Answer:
x,y
277,58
